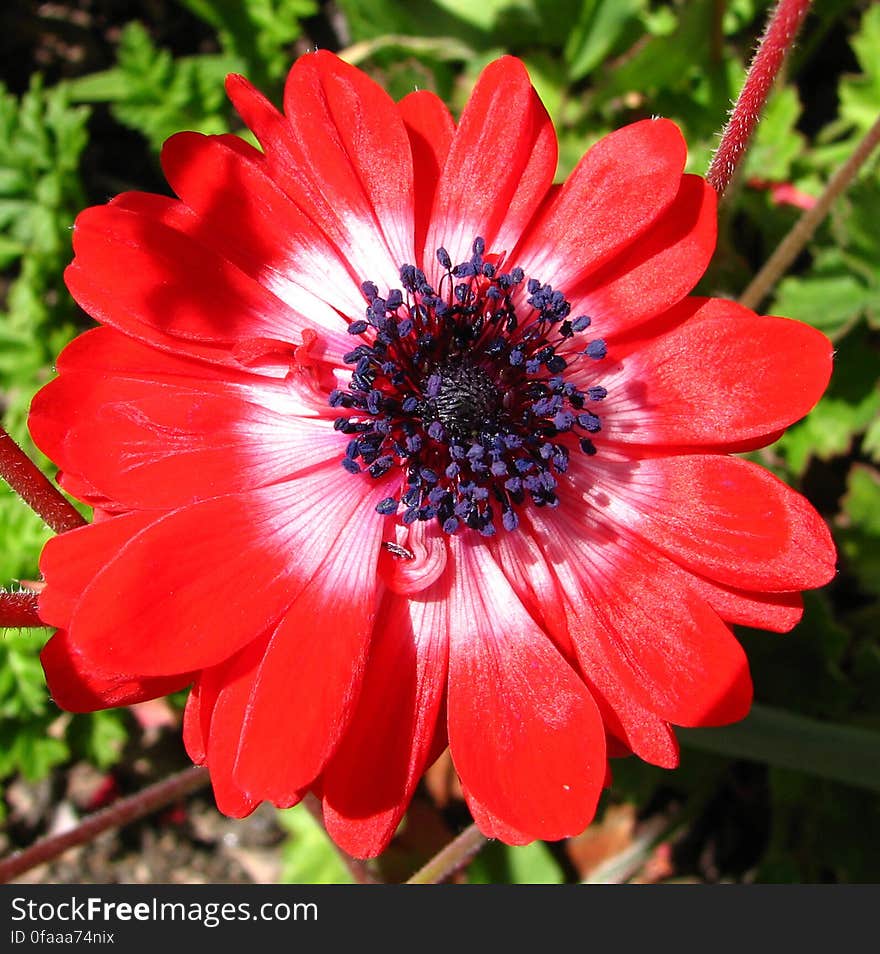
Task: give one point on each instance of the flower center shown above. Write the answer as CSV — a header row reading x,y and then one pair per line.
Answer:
x,y
466,401
464,391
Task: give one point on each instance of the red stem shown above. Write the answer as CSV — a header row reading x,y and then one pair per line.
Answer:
x,y
782,28
34,488
452,858
19,609
119,813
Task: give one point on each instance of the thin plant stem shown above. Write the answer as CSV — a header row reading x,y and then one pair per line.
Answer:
x,y
782,28
787,250
452,858
619,868
357,869
34,488
19,610
120,813
716,41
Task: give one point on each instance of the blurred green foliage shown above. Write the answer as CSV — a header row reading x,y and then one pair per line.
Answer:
x,y
156,94
307,857
597,64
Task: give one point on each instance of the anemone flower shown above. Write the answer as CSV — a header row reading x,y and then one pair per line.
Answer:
x,y
393,444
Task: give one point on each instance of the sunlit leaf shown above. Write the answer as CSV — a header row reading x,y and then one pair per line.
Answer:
x,y
308,856
782,739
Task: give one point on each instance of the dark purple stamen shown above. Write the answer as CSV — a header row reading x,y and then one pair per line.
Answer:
x,y
465,393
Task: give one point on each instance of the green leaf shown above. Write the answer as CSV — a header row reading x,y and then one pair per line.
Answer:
x,y
308,855
477,25
850,404
369,19
99,737
41,139
854,220
777,144
860,94
830,301
28,749
666,61
10,250
534,864
871,440
22,687
860,538
862,501
258,33
502,864
804,671
484,16
158,95
785,740
443,49
601,26
819,831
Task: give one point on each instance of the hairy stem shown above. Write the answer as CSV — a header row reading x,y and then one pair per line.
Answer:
x,y
782,27
787,250
452,858
119,813
19,610
34,488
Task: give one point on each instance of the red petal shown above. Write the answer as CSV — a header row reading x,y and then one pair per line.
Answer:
x,y
525,734
723,517
656,272
76,687
323,155
227,689
194,740
106,351
95,369
620,187
493,827
391,734
641,633
777,612
724,375
499,166
430,128
242,213
535,180
346,124
533,580
440,742
157,285
637,729
177,440
71,561
82,490
203,581
425,562
310,676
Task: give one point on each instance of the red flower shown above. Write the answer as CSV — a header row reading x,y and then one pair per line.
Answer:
x,y
370,485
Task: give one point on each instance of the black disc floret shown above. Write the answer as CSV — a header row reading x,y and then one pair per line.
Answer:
x,y
465,393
